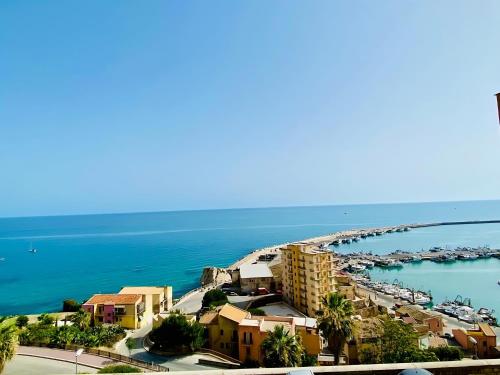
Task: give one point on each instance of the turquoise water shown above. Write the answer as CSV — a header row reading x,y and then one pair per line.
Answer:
x,y
81,255
474,279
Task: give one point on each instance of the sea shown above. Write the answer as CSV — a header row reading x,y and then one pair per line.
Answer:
x,y
78,256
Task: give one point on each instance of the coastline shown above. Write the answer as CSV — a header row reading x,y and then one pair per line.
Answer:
x,y
328,239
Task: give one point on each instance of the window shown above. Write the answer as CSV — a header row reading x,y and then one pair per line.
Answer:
x,y
222,332
227,345
222,345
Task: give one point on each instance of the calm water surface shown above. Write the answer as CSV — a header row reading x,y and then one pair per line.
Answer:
x,y
81,255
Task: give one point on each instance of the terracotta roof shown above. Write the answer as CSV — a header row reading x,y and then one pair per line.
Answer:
x,y
113,299
209,317
233,313
487,330
409,320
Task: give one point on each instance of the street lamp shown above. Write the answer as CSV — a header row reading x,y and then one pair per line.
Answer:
x,y
78,353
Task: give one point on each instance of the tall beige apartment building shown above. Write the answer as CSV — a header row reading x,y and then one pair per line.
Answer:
x,y
308,275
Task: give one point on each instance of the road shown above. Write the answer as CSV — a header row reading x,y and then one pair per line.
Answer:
x,y
65,356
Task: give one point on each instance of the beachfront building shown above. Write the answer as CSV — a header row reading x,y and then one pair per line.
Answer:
x,y
255,276
481,341
421,320
237,333
308,275
125,310
157,299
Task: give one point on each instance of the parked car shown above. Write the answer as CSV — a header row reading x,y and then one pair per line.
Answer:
x,y
262,291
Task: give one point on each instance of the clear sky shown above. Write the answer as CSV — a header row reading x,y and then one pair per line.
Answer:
x,y
117,106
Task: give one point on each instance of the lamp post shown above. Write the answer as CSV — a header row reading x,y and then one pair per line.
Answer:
x,y
78,353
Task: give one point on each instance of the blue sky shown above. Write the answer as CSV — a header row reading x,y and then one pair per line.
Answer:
x,y
117,106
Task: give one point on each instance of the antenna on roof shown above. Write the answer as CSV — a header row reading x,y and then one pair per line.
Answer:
x,y
498,105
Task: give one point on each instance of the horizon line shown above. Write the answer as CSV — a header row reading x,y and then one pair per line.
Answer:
x,y
245,208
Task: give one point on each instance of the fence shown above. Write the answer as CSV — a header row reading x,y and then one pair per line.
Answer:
x,y
107,354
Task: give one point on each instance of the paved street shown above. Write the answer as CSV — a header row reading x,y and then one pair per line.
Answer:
x,y
23,365
65,355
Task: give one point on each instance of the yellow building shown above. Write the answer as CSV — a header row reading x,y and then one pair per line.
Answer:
x,y
124,309
222,328
156,299
308,275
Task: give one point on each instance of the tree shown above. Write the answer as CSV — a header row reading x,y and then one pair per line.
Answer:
x,y
7,345
400,344
177,334
281,349
118,369
448,353
22,321
335,323
214,297
70,305
81,319
46,319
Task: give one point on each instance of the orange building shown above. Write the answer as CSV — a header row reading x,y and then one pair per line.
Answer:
x,y
481,341
237,333
254,330
410,313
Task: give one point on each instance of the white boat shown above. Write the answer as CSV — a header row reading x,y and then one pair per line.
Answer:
x,y
367,263
357,267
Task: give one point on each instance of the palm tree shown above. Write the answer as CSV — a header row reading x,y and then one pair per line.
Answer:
x,y
335,323
81,319
7,345
281,349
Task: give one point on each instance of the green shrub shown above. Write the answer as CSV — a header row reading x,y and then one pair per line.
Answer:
x,y
22,321
256,311
60,337
214,297
448,353
118,369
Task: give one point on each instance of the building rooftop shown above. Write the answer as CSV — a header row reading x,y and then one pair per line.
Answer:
x,y
309,248
250,322
209,317
487,330
415,312
305,322
253,271
114,299
233,313
142,290
268,325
